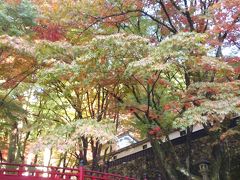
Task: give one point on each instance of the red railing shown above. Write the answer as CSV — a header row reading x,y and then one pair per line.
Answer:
x,y
9,171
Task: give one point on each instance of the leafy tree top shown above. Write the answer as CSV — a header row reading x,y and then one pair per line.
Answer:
x,y
17,19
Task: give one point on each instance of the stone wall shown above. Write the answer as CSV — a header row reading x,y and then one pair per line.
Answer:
x,y
201,149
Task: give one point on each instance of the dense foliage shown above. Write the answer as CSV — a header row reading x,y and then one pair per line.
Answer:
x,y
73,74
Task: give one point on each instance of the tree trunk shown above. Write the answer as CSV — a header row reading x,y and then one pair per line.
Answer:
x,y
166,170
221,162
50,157
12,144
170,166
60,160
84,150
189,150
35,159
96,151
1,156
217,161
64,158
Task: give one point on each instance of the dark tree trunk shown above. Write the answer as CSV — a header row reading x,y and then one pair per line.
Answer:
x,y
12,144
163,162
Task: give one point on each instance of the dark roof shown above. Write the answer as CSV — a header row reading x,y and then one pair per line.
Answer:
x,y
149,151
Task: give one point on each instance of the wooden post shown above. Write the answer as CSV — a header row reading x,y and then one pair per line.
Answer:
x,y
81,170
105,176
37,173
20,170
53,173
81,173
67,177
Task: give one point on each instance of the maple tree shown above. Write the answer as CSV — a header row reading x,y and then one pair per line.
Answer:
x,y
193,82
171,86
158,18
67,95
83,19
180,88
165,97
17,19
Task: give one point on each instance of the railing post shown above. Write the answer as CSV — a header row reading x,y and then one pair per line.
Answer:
x,y
20,170
67,177
105,176
37,173
53,172
81,170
